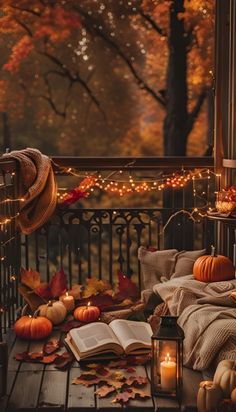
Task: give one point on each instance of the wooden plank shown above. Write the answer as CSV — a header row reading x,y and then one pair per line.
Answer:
x,y
24,395
10,380
191,381
53,392
10,338
13,366
139,405
18,347
138,163
26,388
80,398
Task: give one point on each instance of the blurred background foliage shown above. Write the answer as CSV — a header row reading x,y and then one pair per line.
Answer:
x,y
107,78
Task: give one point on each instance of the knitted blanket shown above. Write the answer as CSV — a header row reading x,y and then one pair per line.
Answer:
x,y
37,186
210,329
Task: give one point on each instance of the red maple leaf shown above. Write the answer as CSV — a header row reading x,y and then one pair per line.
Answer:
x,y
51,346
43,290
64,360
102,300
70,324
58,284
126,287
73,196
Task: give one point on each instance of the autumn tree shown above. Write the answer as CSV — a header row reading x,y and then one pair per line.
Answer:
x,y
153,49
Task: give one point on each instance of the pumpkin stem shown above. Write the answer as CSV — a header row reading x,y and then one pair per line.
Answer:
x,y
25,310
35,314
50,303
213,251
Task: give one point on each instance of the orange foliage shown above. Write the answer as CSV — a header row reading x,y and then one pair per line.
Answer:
x,y
20,52
45,23
35,28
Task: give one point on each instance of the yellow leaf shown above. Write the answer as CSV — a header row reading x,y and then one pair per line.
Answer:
x,y
95,286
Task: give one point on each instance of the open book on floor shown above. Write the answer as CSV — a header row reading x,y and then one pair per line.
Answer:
x,y
99,340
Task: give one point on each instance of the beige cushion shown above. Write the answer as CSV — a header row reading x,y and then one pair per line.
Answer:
x,y
155,265
184,262
162,265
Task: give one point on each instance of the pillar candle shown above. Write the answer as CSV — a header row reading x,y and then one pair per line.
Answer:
x,y
168,373
68,301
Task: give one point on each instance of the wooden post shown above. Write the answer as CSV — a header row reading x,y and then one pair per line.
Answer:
x,y
225,98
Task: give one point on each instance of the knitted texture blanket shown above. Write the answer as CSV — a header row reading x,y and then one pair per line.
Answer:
x,y
37,186
210,329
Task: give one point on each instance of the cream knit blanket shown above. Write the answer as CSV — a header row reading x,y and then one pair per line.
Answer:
x,y
38,187
210,330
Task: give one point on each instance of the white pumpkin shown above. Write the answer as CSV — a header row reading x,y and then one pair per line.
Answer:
x,y
54,311
208,397
225,376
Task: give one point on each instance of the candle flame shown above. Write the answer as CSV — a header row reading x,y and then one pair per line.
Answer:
x,y
67,294
167,358
89,303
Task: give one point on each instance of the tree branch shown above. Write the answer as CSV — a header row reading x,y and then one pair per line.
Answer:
x,y
153,24
35,13
50,99
74,78
23,25
91,27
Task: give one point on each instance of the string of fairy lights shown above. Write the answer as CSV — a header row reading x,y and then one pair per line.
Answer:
x,y
121,183
116,183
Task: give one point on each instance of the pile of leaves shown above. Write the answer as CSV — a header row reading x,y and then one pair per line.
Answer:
x,y
48,355
98,292
118,379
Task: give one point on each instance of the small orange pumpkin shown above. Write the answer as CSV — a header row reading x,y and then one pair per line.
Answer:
x,y
87,313
32,327
213,268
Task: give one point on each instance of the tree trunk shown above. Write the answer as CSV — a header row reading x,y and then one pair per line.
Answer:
x,y
175,136
179,232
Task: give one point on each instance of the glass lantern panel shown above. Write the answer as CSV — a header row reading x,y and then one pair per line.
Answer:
x,y
168,359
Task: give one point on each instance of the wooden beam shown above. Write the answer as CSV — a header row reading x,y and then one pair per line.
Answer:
x,y
131,163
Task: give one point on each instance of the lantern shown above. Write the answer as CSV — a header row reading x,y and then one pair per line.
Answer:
x,y
167,359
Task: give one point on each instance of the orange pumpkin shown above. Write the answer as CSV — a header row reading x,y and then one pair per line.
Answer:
x,y
87,313
213,268
33,327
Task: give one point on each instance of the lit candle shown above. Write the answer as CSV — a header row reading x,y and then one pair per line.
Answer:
x,y
168,373
68,301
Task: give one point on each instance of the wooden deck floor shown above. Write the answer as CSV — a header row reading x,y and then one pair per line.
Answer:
x,y
33,386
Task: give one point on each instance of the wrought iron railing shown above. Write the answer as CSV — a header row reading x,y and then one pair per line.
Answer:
x,y
100,242
97,242
9,244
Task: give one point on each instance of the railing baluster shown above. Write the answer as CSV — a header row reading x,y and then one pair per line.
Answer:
x,y
110,244
100,245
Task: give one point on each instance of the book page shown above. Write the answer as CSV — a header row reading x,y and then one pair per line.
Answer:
x,y
132,334
93,336
106,352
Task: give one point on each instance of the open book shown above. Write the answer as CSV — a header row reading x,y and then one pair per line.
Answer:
x,y
120,337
